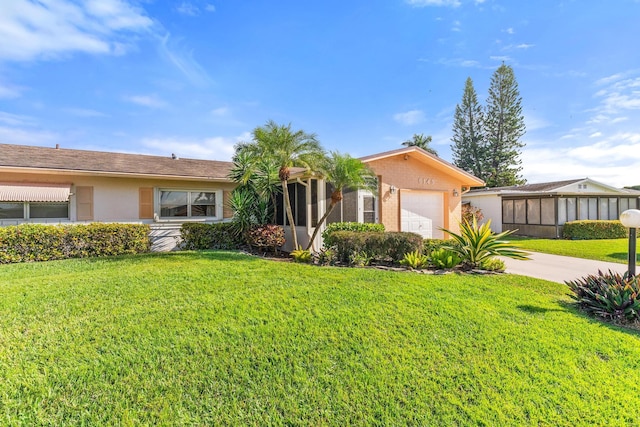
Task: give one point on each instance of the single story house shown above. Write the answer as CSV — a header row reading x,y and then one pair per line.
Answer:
x,y
417,192
540,210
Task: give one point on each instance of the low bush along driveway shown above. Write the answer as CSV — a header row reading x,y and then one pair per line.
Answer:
x,y
220,338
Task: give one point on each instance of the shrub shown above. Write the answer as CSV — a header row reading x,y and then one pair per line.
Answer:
x,y
469,212
200,236
493,264
610,296
266,236
388,246
444,258
326,256
415,260
591,230
359,259
476,244
429,245
301,255
348,226
40,242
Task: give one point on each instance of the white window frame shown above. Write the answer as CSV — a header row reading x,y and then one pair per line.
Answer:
x,y
361,196
219,205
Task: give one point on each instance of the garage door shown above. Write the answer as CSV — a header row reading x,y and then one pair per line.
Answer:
x,y
422,212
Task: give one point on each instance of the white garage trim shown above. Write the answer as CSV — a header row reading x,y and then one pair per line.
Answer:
x,y
422,212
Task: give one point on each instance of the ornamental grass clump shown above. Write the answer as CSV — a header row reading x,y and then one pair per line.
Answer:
x,y
476,244
415,260
610,296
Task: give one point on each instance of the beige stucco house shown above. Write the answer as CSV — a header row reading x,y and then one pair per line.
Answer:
x,y
417,192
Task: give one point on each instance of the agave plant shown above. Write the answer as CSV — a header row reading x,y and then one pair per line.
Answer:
x,y
477,244
608,295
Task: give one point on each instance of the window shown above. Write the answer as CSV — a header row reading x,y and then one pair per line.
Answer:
x,y
613,208
48,210
520,211
368,209
11,210
533,211
187,204
34,210
548,212
507,211
604,208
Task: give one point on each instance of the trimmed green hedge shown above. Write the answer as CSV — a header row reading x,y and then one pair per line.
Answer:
x,y
348,226
40,242
387,246
200,236
591,230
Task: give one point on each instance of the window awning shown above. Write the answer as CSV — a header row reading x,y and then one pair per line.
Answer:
x,y
34,192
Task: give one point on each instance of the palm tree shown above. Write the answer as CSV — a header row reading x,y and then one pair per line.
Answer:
x,y
286,149
344,172
421,141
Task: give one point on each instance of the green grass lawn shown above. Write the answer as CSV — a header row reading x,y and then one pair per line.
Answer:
x,y
611,250
219,338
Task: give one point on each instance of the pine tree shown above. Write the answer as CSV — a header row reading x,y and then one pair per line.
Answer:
x,y
468,142
503,126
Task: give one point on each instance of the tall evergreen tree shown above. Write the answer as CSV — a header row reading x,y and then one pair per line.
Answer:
x,y
504,126
468,139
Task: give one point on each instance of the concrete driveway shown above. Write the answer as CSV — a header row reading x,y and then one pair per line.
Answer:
x,y
556,268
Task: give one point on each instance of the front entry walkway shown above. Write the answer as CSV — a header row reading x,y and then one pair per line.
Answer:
x,y
556,268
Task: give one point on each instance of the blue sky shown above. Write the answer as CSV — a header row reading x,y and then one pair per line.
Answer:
x,y
194,77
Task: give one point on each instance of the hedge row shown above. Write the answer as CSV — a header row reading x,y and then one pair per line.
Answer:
x,y
388,246
39,242
200,236
348,226
591,230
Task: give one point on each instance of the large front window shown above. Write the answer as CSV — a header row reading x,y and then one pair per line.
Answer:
x,y
34,210
187,204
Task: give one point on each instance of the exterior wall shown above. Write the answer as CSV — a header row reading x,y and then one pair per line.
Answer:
x,y
413,174
491,206
542,231
117,200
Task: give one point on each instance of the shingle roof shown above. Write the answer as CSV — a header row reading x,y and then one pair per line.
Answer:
x,y
541,186
63,159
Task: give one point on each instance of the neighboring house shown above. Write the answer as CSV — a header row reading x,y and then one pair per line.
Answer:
x,y
540,210
417,192
56,185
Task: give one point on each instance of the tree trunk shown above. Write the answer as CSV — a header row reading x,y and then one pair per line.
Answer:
x,y
322,220
287,206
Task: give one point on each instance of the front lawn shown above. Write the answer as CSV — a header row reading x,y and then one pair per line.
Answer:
x,y
221,338
611,250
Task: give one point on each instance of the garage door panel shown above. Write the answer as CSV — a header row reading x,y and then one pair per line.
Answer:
x,y
422,213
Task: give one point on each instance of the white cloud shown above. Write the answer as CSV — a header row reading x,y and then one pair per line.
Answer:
x,y
187,8
84,112
16,119
150,101
595,135
49,29
9,91
210,8
457,26
510,31
410,117
214,148
424,3
183,60
220,112
524,46
503,58
20,136
613,160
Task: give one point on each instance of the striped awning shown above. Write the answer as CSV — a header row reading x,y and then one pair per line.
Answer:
x,y
34,192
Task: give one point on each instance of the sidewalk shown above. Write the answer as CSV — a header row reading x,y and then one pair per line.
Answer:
x,y
558,268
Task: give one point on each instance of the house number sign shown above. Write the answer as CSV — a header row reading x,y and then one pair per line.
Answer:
x,y
426,181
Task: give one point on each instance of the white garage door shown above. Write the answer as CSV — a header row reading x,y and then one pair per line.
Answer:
x,y
422,212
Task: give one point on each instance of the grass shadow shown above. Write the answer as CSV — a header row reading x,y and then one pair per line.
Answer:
x,y
534,309
622,256
574,308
